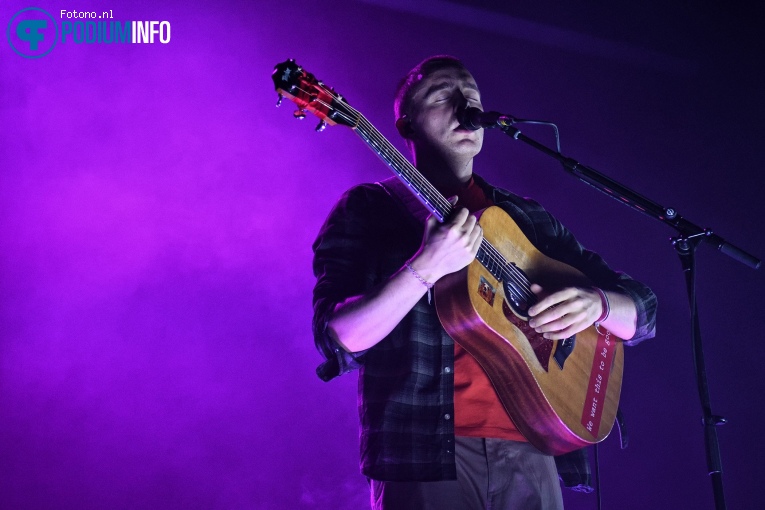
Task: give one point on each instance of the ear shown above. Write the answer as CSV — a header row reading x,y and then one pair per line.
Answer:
x,y
404,127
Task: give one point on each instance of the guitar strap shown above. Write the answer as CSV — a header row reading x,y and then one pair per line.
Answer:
x,y
405,197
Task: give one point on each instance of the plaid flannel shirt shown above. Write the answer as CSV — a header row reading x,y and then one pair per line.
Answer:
x,y
406,383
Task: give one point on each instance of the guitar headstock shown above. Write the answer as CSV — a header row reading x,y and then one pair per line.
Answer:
x,y
301,87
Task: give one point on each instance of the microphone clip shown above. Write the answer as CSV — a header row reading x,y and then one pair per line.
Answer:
x,y
473,118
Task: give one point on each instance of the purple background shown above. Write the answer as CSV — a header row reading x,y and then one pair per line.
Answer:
x,y
156,216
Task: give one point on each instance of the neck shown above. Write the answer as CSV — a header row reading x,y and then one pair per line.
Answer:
x,y
448,176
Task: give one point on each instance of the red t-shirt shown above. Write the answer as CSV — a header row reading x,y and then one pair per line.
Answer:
x,y
477,409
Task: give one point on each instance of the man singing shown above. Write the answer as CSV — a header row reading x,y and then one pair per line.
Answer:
x,y
434,434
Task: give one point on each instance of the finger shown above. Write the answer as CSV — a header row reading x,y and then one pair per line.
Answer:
x,y
470,222
430,225
571,330
559,323
552,300
542,321
475,232
459,218
538,292
477,235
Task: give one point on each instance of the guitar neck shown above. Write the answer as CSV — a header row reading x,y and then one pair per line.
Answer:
x,y
417,183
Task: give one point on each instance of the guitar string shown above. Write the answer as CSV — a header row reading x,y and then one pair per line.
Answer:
x,y
515,278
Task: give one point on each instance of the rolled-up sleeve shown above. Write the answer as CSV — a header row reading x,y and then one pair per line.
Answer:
x,y
341,266
553,239
593,265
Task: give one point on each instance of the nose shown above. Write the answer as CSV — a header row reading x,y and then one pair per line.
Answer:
x,y
460,104
460,101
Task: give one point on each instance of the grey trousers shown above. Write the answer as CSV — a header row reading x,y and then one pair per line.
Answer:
x,y
492,474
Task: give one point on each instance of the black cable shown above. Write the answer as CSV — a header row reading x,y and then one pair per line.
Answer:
x,y
597,477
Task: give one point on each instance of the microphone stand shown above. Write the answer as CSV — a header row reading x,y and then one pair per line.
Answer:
x,y
685,244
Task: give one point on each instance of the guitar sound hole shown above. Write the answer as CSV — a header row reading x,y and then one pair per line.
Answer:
x,y
518,302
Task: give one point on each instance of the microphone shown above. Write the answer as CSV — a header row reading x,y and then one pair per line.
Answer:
x,y
473,118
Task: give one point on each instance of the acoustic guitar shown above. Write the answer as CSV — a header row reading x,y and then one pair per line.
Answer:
x,y
561,395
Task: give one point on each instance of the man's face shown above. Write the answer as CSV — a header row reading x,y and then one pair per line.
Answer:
x,y
433,116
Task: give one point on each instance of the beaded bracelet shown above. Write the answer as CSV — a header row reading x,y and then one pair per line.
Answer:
x,y
422,280
604,303
417,275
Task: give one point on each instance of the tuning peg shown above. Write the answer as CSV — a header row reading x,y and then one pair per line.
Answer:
x,y
279,101
299,114
321,126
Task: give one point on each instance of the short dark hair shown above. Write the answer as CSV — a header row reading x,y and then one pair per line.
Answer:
x,y
408,84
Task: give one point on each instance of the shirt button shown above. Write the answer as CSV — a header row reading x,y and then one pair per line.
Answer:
x,y
447,416
447,370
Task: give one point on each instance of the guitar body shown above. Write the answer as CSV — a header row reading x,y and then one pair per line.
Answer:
x,y
553,406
